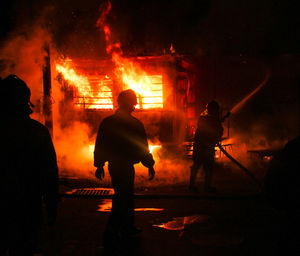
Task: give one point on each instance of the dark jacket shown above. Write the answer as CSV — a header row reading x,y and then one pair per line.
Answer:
x,y
29,170
282,181
208,133
122,138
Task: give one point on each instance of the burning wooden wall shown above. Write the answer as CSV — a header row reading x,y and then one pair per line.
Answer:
x,y
165,87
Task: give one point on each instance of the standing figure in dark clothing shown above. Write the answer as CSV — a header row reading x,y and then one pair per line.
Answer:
x,y
282,190
122,141
208,133
29,171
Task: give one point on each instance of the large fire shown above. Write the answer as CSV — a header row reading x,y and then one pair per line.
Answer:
x,y
95,92
149,88
91,92
94,85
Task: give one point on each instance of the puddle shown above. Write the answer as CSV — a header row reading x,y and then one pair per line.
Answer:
x,y
105,206
180,223
148,209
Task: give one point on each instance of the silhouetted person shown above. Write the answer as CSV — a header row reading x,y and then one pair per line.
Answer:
x,y
122,141
209,132
282,188
29,172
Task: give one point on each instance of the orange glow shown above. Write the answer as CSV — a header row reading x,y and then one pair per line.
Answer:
x,y
94,92
172,50
180,223
91,92
154,148
148,87
106,204
217,153
87,151
148,209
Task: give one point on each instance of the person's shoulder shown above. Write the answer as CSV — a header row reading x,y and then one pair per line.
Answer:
x,y
203,118
37,128
37,125
137,121
209,119
109,118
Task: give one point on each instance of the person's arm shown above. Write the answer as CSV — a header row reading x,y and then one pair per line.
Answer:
x,y
99,173
147,158
99,153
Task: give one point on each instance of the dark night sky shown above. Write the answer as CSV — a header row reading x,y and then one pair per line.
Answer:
x,y
202,27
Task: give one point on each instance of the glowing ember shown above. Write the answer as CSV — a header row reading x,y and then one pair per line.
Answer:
x,y
91,92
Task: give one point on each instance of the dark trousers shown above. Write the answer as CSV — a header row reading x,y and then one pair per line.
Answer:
x,y
122,213
205,159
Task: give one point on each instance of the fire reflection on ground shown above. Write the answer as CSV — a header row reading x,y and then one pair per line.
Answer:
x,y
105,206
180,223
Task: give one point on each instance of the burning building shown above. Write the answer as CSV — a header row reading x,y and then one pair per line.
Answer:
x,y
165,87
172,89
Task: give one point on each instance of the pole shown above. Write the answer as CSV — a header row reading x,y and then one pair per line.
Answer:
x,y
47,103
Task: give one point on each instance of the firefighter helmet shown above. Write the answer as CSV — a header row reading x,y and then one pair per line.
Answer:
x,y
17,94
213,107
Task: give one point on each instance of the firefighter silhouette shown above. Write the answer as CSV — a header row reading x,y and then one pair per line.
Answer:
x,y
282,190
29,171
122,141
209,132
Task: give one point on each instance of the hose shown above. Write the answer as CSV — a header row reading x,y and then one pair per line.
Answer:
x,y
240,165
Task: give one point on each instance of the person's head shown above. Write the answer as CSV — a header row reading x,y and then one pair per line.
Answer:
x,y
213,108
15,96
127,100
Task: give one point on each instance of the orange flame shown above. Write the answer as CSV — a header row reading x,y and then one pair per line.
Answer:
x,y
98,96
95,92
149,88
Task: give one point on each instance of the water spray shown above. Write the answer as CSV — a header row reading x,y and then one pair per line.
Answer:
x,y
234,110
245,99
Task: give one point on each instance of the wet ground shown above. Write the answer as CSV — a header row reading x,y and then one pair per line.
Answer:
x,y
235,221
182,226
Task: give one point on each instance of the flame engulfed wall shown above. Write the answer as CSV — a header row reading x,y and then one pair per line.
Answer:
x,y
87,92
94,90
76,113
